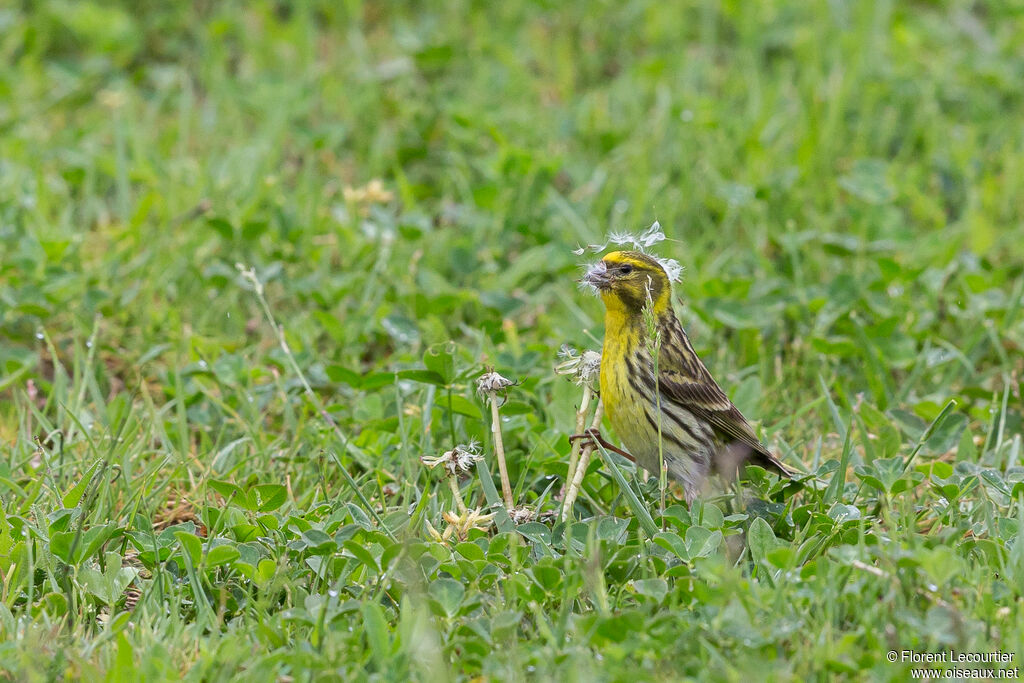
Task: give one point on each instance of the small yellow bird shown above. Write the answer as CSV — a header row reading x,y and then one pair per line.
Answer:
x,y
672,408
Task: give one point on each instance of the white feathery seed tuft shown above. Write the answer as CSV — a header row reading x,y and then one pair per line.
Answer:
x,y
636,241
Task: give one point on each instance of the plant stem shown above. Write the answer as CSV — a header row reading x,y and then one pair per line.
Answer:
x,y
499,451
581,421
453,484
581,467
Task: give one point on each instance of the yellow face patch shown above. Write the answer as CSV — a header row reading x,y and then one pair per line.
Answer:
x,y
627,280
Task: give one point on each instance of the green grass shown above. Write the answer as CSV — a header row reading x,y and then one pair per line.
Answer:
x,y
843,182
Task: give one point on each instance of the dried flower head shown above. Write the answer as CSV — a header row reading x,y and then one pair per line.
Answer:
x,y
434,533
458,460
491,382
462,524
363,198
524,514
584,368
371,193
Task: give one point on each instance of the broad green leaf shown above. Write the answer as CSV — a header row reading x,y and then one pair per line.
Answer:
x,y
190,546
440,358
448,593
535,532
342,375
221,555
265,571
73,547
375,626
362,554
672,542
109,584
318,541
463,406
422,376
701,542
761,539
267,497
656,589
471,551
93,539
229,491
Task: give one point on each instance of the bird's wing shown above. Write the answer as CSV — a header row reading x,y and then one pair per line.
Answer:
x,y
708,402
685,380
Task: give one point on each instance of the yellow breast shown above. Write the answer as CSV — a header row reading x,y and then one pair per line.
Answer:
x,y
625,406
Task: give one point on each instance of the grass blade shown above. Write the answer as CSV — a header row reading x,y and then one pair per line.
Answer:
x,y
929,431
639,510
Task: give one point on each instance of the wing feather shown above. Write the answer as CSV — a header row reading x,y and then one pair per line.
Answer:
x,y
684,379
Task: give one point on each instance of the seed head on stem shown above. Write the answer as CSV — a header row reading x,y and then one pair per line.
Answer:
x,y
459,460
584,370
489,385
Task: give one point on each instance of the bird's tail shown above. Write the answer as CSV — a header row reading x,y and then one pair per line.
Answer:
x,y
732,458
771,463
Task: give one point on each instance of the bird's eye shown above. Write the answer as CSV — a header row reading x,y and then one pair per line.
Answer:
x,y
626,269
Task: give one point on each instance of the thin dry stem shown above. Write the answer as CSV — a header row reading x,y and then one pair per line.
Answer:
x,y
581,467
454,485
581,421
499,452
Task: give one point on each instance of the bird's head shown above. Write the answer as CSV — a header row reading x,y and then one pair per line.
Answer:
x,y
627,280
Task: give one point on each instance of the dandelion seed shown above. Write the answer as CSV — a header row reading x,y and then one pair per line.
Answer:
x,y
592,247
638,241
568,352
594,272
672,268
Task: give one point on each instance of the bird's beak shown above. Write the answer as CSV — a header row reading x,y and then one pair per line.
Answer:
x,y
597,277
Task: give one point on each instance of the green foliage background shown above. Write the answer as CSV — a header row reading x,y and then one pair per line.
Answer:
x,y
843,182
